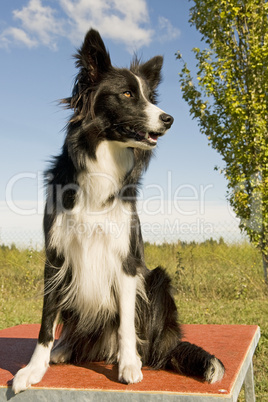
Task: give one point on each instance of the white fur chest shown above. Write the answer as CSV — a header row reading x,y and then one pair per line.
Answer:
x,y
104,176
94,237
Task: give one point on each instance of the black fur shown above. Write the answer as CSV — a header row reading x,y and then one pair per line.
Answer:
x,y
111,104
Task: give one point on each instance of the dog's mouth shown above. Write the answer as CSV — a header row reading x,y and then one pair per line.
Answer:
x,y
149,138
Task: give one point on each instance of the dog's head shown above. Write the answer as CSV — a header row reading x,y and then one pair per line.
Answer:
x,y
121,103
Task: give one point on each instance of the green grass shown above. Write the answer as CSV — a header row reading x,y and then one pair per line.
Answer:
x,y
216,283
21,285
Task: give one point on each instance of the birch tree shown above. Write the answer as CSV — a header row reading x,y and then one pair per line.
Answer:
x,y
228,96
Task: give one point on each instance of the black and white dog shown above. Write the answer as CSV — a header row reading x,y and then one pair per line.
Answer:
x,y
110,305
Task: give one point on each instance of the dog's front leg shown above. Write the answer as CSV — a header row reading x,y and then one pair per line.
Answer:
x,y
39,363
128,359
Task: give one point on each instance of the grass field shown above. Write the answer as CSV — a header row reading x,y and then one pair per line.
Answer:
x,y
216,283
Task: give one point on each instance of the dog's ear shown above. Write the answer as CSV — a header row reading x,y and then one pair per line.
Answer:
x,y
93,61
151,71
93,56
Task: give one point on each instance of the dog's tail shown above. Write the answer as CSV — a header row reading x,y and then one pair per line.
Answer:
x,y
166,349
193,361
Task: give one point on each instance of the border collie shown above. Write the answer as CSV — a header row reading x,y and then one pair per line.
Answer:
x,y
110,306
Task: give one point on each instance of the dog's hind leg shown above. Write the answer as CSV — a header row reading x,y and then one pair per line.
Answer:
x,y
61,354
62,351
166,348
128,359
36,368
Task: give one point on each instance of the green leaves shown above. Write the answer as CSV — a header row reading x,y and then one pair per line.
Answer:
x,y
229,98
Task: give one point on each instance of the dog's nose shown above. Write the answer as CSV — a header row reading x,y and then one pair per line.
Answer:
x,y
166,119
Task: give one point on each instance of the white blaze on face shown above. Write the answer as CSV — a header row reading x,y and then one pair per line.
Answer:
x,y
153,112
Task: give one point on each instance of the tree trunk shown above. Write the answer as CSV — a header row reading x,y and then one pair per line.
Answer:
x,y
265,266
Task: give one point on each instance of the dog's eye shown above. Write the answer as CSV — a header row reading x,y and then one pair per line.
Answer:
x,y
128,94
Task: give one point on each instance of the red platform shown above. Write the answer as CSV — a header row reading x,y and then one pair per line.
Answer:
x,y
234,345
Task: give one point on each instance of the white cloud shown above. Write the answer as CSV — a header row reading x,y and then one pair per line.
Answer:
x,y
16,35
40,22
117,19
125,21
166,30
38,25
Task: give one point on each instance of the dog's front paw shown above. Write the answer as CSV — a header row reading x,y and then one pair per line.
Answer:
x,y
215,371
26,377
130,374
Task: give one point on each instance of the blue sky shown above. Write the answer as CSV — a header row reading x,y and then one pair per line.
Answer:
x,y
37,41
